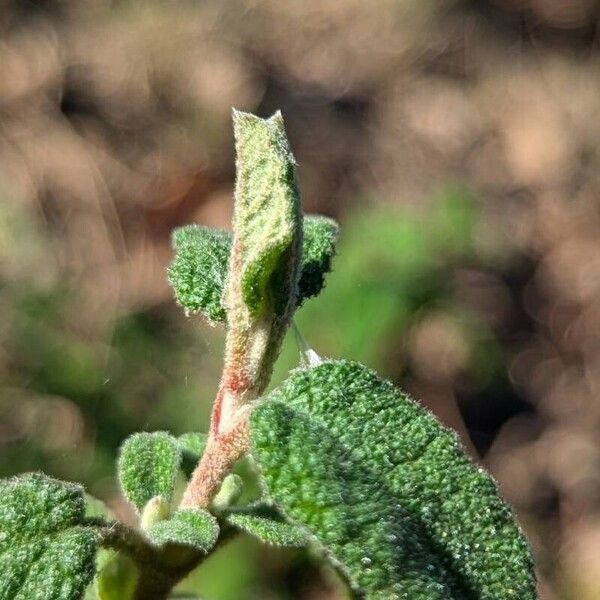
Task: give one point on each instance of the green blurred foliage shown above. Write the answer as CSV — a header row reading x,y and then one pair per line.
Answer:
x,y
394,266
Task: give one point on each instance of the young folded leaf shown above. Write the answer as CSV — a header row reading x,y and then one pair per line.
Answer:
x,y
147,467
267,220
194,528
348,455
47,548
265,522
198,271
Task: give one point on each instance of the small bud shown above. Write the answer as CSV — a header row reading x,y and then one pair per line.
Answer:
x,y
156,510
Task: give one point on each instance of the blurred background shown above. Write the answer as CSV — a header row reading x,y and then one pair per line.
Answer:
x,y
456,141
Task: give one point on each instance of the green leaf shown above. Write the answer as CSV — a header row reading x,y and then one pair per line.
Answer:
x,y
387,489
267,220
117,576
318,249
195,528
46,548
147,466
192,447
199,269
318,484
266,523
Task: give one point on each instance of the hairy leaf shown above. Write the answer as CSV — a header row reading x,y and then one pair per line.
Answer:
x,y
199,269
267,220
387,489
318,484
195,528
148,463
318,249
46,548
266,523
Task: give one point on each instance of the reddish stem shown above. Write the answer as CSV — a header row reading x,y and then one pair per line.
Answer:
x,y
222,450
228,436
215,417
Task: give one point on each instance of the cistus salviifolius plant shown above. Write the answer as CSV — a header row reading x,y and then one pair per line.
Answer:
x,y
347,463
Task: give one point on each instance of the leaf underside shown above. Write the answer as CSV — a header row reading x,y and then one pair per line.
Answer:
x,y
266,523
148,464
199,269
47,552
387,490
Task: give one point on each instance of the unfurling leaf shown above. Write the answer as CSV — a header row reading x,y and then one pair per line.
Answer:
x,y
266,523
387,490
194,528
47,550
148,463
267,223
199,269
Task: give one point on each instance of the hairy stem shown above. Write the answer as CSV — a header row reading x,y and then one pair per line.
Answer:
x,y
221,452
260,292
250,353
